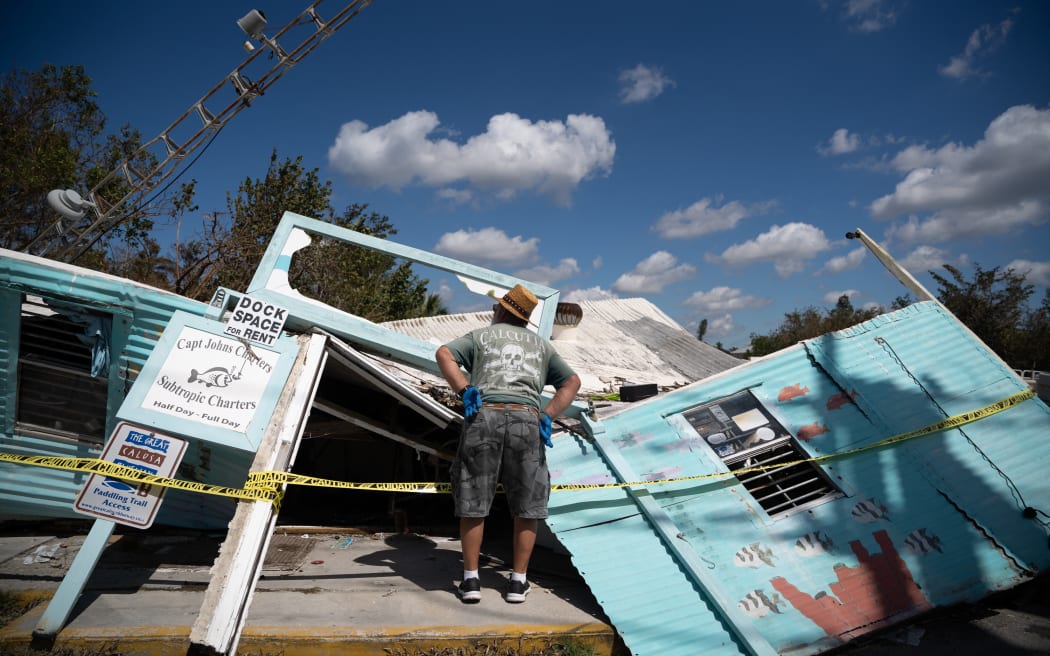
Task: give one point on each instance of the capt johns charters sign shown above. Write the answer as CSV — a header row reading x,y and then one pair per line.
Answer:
x,y
211,379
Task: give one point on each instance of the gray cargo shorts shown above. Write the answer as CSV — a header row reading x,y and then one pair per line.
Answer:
x,y
501,444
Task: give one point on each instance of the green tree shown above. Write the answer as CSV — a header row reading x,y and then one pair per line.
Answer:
x,y
50,125
811,322
52,137
433,306
358,280
994,305
701,330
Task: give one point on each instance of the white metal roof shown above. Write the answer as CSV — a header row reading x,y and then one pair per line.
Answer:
x,y
617,341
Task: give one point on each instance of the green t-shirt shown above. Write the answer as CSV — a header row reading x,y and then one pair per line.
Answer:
x,y
509,364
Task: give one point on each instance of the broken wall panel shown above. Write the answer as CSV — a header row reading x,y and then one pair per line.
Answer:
x,y
919,524
138,315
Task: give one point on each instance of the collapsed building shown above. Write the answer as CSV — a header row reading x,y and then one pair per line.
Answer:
x,y
783,505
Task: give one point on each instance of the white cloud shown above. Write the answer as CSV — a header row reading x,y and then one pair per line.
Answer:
x,y
846,262
548,275
870,15
589,294
444,292
930,258
642,83
842,141
833,297
720,326
788,247
489,245
701,218
982,41
513,155
597,262
721,299
456,196
952,224
652,274
1037,273
997,184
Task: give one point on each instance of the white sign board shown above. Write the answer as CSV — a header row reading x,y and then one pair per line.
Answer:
x,y
211,379
131,504
256,321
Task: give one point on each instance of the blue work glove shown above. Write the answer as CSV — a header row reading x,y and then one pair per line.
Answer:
x,y
545,429
471,400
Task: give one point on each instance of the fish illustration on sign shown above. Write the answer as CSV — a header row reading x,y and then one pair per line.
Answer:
x,y
753,555
809,431
920,543
757,604
836,401
214,377
791,392
813,544
869,511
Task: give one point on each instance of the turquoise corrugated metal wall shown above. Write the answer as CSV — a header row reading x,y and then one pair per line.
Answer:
x,y
140,316
924,523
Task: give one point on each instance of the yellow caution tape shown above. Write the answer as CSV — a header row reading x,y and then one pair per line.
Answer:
x,y
266,486
250,492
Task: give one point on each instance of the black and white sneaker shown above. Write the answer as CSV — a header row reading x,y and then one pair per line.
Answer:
x,y
517,591
470,591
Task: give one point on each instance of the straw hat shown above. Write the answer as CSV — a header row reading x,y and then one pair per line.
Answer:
x,y
520,302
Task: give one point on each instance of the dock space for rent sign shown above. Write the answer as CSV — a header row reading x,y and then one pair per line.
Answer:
x,y
131,504
256,321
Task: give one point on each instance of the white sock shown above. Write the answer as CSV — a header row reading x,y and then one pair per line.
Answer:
x,y
470,574
514,576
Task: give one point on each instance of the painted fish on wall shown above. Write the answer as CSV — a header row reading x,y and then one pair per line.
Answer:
x,y
836,401
791,392
758,604
920,543
753,556
869,511
813,544
809,431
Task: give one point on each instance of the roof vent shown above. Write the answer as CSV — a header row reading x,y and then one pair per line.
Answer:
x,y
568,314
566,317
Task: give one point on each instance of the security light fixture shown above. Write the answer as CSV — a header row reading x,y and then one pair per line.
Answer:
x,y
68,203
252,23
85,219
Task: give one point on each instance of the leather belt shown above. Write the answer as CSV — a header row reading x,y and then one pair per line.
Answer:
x,y
511,406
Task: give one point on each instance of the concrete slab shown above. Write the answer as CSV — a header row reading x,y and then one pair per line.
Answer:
x,y
347,592
23,547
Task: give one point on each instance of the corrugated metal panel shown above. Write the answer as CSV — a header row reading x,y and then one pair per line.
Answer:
x,y
140,314
616,341
923,523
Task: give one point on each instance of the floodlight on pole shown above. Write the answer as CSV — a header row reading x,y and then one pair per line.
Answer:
x,y
126,190
252,23
68,203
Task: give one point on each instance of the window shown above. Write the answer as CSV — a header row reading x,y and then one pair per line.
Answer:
x,y
744,435
57,394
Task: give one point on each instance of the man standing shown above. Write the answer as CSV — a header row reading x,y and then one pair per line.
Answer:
x,y
504,431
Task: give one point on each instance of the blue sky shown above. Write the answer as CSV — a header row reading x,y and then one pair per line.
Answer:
x,y
707,156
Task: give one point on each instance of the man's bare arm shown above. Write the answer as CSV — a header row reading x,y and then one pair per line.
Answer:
x,y
450,370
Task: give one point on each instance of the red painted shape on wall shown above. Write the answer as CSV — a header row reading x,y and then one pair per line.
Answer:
x,y
878,591
809,431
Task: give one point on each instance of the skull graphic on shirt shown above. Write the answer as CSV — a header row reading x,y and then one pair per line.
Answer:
x,y
512,358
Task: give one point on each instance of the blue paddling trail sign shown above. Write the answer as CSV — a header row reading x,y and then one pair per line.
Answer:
x,y
131,504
